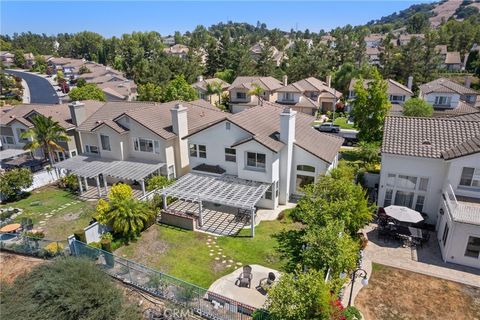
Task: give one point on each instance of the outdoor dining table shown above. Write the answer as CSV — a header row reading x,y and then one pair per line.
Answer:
x,y
11,227
415,232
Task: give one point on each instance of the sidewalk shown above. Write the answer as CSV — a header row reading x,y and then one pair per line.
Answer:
x,y
26,92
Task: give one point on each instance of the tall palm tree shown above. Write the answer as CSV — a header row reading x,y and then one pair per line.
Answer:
x,y
215,87
256,91
46,134
128,216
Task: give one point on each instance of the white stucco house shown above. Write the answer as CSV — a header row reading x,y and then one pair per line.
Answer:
x,y
432,165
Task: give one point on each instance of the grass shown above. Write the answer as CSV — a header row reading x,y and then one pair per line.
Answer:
x,y
394,294
343,123
185,254
63,222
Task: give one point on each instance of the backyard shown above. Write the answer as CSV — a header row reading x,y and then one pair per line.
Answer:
x,y
394,294
201,258
57,212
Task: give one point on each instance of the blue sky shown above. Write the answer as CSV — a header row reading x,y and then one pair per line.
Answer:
x,y
117,17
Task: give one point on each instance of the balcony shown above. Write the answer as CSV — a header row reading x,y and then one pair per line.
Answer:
x,y
461,209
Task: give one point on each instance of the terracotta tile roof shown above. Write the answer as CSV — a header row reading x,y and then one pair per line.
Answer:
x,y
445,85
462,108
263,122
466,148
427,137
154,116
310,84
394,87
467,117
267,83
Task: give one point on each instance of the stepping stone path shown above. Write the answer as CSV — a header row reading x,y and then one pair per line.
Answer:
x,y
227,262
48,215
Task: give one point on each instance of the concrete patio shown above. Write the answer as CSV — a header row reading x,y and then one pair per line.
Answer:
x,y
225,286
91,194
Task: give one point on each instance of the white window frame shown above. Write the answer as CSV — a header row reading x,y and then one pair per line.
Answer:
x,y
171,172
195,150
5,139
288,96
155,145
88,149
420,190
439,100
229,155
466,247
109,147
240,95
396,98
474,180
257,166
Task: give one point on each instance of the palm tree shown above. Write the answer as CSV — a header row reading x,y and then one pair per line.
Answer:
x,y
46,134
128,216
215,87
256,91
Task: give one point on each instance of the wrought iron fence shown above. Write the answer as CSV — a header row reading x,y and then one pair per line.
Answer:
x,y
186,296
37,247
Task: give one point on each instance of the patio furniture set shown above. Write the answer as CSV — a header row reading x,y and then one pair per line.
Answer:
x,y
245,279
402,224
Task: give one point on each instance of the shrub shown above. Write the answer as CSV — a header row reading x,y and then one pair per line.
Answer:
x,y
12,182
34,235
70,182
80,235
53,249
120,191
158,182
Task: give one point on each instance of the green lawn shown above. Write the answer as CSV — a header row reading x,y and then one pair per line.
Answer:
x,y
342,122
63,221
185,254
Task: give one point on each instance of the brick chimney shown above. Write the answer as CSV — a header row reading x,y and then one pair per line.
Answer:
x,y
180,128
287,136
77,112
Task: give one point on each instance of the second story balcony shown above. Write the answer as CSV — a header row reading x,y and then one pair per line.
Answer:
x,y
460,208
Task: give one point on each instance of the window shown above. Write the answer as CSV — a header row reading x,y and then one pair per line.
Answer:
x,y
241,95
442,100
230,155
394,98
419,203
391,180
404,198
74,153
146,145
406,182
198,150
277,191
19,135
306,168
470,177
288,96
269,193
171,172
8,140
388,197
445,234
91,149
423,184
256,160
473,247
302,181
105,140
227,125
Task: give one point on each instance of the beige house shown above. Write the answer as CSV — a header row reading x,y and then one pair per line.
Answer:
x,y
6,58
201,86
178,50
277,55
404,39
240,99
308,95
451,61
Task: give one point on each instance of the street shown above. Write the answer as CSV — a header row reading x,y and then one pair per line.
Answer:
x,y
41,91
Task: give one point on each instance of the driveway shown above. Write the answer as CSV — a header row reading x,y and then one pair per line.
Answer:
x,y
41,91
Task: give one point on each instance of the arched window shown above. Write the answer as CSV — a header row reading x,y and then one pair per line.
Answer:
x,y
306,168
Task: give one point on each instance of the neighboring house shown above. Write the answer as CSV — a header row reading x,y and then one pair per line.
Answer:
x,y
16,120
268,144
450,61
29,60
374,40
397,92
277,55
7,58
448,97
68,66
202,84
328,40
404,39
308,96
432,165
373,54
178,50
169,41
240,99
146,132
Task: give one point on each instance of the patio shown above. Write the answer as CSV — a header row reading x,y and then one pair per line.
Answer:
x,y
226,287
91,192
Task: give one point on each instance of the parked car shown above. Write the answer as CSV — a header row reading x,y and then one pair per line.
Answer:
x,y
328,127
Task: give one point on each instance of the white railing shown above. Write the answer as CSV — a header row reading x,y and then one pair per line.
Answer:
x,y
450,199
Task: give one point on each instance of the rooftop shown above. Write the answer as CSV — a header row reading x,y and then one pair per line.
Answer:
x,y
394,87
445,86
266,83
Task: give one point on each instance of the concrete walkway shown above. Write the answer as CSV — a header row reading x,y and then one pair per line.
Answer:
x,y
426,260
26,92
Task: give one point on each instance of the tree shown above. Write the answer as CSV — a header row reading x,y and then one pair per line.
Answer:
x,y
46,134
158,182
179,89
67,288
257,91
83,69
300,296
19,58
418,23
368,151
370,107
126,215
14,181
215,87
81,82
149,92
40,64
227,75
416,107
89,91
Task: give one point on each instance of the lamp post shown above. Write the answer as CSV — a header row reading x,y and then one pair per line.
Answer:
x,y
356,273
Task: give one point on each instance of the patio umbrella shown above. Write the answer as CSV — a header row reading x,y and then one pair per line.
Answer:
x,y
403,214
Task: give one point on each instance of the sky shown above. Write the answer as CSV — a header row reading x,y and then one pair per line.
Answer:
x,y
113,18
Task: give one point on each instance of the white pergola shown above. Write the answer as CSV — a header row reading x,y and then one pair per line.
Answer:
x,y
225,190
92,167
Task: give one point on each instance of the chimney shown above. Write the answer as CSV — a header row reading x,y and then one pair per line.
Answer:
x,y
285,80
199,78
468,81
77,112
180,128
410,82
328,80
287,136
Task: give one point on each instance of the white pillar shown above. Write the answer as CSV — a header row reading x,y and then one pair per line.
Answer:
x,y
105,184
252,222
142,182
80,184
200,214
86,183
164,197
99,190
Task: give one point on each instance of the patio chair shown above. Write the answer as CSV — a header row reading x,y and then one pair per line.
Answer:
x,y
267,282
245,278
